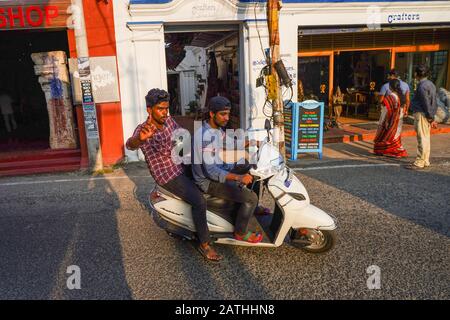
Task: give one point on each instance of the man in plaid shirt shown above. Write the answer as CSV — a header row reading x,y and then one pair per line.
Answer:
x,y
154,138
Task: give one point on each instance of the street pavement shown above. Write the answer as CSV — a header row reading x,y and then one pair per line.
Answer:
x,y
389,217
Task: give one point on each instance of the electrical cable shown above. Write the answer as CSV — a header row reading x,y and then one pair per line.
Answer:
x,y
259,35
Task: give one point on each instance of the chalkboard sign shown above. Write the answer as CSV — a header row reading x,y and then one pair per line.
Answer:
x,y
306,132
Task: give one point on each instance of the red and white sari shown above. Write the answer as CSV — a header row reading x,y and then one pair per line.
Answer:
x,y
388,141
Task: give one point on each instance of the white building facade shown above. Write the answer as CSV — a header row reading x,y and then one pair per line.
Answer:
x,y
141,25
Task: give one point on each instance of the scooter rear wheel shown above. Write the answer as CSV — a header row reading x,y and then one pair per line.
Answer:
x,y
312,240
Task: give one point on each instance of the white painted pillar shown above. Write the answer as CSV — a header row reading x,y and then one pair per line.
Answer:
x,y
253,61
145,61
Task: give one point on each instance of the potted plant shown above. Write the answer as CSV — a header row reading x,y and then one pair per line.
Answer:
x,y
193,106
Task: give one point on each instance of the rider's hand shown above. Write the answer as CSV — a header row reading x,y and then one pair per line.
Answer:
x,y
147,130
252,143
434,125
246,179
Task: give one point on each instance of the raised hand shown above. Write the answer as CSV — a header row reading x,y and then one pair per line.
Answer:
x,y
147,130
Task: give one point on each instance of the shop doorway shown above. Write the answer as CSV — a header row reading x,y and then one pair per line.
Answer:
x,y
201,65
313,76
26,126
360,75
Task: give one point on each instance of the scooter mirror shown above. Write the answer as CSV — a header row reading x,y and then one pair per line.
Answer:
x,y
267,125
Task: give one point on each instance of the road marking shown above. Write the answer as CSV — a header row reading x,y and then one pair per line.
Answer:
x,y
68,180
350,166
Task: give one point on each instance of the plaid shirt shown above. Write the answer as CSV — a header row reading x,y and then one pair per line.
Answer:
x,y
157,151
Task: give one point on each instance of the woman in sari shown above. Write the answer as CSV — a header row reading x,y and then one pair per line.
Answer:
x,y
388,140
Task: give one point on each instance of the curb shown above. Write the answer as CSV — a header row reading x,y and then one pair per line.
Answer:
x,y
371,136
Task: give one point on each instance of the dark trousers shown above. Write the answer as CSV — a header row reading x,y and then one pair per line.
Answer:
x,y
187,190
232,192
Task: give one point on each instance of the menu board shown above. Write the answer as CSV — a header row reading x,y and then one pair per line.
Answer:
x,y
307,128
310,126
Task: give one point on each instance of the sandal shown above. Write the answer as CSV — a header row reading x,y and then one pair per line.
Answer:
x,y
257,237
262,211
205,252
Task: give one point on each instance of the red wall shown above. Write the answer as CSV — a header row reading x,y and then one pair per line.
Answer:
x,y
99,18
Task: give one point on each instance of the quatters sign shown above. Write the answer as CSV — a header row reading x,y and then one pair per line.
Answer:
x,y
34,16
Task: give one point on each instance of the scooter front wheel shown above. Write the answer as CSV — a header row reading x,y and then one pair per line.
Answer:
x,y
312,240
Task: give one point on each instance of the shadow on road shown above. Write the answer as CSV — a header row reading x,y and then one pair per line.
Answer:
x,y
45,228
418,196
203,279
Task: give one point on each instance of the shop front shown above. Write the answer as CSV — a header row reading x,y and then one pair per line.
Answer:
x,y
41,128
324,44
358,61
195,50
38,117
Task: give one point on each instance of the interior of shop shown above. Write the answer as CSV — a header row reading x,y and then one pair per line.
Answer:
x,y
360,64
24,123
359,76
201,65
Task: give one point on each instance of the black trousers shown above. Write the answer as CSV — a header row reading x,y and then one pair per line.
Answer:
x,y
186,189
231,191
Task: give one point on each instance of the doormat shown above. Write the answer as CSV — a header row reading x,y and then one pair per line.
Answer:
x,y
366,126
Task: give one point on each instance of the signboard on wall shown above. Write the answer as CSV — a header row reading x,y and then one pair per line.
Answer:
x,y
34,14
90,120
105,86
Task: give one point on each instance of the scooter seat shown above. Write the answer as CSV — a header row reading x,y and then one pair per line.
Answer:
x,y
224,208
215,202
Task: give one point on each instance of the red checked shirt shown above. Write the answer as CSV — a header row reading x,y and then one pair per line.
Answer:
x,y
157,151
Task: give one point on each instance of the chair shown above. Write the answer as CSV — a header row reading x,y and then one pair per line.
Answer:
x,y
356,100
360,100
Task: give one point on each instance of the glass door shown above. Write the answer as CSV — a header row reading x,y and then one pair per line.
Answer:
x,y
313,78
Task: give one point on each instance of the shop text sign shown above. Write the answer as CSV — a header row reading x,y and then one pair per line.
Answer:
x,y
310,126
34,15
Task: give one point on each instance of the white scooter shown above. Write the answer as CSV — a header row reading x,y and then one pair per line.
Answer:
x,y
294,219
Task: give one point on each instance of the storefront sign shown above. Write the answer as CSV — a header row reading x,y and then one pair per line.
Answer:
x,y
33,14
103,75
90,120
89,112
85,80
307,128
86,91
403,18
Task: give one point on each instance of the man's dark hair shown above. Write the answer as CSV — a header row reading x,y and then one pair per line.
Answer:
x,y
156,96
421,71
393,72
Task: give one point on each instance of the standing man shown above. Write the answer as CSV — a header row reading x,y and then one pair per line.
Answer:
x,y
424,107
385,90
154,138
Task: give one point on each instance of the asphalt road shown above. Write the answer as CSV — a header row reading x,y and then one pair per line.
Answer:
x,y
388,216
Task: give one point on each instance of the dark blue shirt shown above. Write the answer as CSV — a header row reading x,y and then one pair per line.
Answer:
x,y
425,99
206,147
